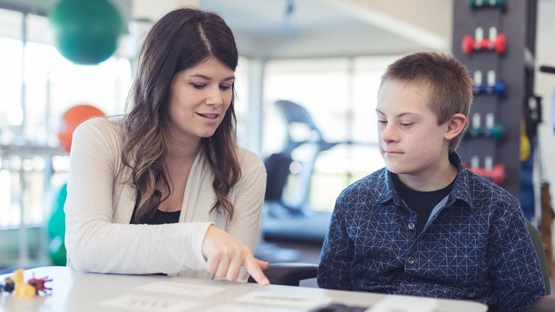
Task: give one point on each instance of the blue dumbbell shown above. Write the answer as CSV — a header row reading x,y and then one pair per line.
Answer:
x,y
498,88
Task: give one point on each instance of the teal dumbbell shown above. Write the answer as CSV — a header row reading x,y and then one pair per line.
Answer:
x,y
492,129
496,132
476,4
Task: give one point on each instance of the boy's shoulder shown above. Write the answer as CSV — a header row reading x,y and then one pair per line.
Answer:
x,y
477,183
482,192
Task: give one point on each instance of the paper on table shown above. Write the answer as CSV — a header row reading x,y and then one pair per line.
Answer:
x,y
283,300
395,303
181,289
150,304
237,307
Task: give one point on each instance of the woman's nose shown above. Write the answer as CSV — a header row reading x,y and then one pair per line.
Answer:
x,y
214,97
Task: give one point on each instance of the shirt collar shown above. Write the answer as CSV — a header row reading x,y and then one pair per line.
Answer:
x,y
460,190
462,181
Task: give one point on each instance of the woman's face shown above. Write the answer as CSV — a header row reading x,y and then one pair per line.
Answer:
x,y
200,97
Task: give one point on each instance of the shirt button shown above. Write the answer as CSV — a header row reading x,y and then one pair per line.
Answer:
x,y
411,226
411,278
411,260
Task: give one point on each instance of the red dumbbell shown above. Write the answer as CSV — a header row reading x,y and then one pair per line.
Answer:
x,y
495,174
495,42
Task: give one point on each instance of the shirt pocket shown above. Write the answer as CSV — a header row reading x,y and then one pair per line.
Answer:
x,y
463,261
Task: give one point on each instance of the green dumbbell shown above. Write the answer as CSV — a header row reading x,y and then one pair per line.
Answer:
x,y
497,132
476,4
472,132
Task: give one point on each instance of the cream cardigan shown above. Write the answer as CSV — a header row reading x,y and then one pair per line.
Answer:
x,y
100,202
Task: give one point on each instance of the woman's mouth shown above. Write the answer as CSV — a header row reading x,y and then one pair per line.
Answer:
x,y
211,116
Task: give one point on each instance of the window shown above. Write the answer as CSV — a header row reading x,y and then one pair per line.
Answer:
x,y
38,86
340,95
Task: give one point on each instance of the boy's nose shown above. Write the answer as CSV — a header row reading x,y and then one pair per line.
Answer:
x,y
389,134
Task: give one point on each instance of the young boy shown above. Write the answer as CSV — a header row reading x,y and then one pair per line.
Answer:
x,y
424,225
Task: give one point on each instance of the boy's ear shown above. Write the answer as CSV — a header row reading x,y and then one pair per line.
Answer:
x,y
455,126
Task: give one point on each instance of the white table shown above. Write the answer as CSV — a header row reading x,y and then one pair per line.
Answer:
x,y
77,291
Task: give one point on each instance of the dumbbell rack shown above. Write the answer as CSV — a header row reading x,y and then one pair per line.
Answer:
x,y
516,20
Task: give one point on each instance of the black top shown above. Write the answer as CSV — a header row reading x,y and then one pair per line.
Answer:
x,y
159,217
421,202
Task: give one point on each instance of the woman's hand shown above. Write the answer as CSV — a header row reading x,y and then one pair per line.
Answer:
x,y
225,256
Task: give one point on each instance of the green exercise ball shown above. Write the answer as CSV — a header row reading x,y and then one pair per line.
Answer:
x,y
57,223
57,251
86,32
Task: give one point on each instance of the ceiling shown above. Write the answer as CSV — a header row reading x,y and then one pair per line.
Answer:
x,y
324,28
308,28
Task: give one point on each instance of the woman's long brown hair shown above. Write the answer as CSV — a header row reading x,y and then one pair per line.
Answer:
x,y
180,40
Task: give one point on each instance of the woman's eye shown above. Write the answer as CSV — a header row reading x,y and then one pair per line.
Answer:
x,y
225,88
198,86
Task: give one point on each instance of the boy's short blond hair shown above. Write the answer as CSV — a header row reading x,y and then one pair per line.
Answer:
x,y
446,80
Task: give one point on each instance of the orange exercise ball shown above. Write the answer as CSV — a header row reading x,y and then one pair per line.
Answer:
x,y
72,118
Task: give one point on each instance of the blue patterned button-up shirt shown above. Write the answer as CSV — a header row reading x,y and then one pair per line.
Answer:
x,y
475,246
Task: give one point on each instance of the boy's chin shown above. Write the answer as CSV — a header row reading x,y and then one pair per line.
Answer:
x,y
392,169
397,170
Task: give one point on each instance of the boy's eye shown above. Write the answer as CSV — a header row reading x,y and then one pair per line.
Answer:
x,y
406,124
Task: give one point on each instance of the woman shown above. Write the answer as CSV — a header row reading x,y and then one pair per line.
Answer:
x,y
165,189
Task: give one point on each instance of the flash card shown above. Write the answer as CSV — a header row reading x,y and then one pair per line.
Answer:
x,y
239,307
396,303
150,304
283,300
173,288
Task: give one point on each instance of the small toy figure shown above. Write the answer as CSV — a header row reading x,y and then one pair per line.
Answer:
x,y
17,285
38,283
8,285
22,289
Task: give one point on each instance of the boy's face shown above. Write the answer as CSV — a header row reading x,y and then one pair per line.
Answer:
x,y
410,140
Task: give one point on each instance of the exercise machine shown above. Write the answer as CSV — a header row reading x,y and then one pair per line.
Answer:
x,y
288,214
